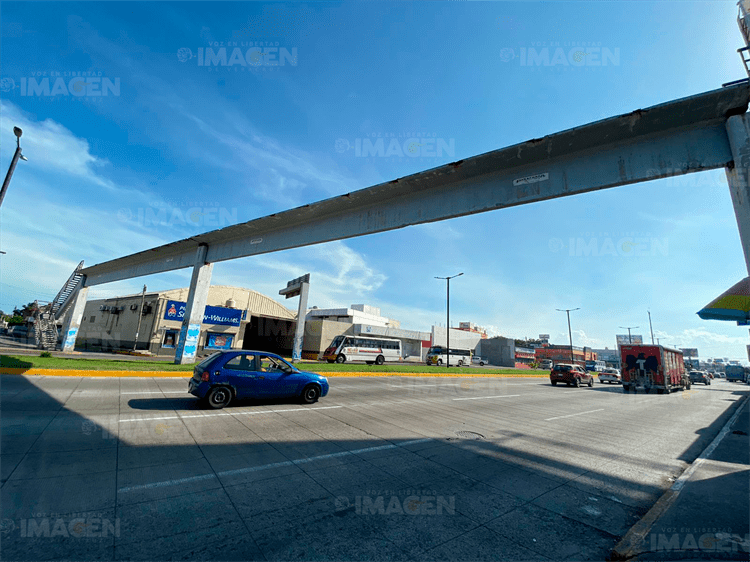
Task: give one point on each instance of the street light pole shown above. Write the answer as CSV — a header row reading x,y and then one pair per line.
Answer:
x,y
448,312
140,316
651,327
18,132
570,333
628,328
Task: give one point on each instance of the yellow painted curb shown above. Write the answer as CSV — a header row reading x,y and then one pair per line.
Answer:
x,y
92,373
187,374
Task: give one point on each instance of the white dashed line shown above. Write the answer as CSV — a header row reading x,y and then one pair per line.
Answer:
x,y
578,414
486,397
230,414
268,466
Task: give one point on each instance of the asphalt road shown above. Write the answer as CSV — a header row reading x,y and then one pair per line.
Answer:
x,y
393,468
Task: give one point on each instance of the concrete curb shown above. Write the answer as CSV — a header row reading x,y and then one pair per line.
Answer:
x,y
188,374
631,544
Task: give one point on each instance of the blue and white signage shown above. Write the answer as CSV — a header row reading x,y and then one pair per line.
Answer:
x,y
215,315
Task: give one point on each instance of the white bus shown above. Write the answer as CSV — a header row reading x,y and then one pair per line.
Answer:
x,y
363,348
439,356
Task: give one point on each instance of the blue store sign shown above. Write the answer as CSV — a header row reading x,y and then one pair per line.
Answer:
x,y
215,315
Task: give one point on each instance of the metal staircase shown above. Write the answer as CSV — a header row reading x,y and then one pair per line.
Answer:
x,y
45,319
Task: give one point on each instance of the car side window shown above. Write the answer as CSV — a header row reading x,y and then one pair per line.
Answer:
x,y
268,364
243,362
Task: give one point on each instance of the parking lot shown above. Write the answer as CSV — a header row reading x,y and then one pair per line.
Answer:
x,y
396,468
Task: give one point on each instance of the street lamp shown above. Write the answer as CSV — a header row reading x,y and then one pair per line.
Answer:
x,y
448,312
18,132
570,334
628,328
651,327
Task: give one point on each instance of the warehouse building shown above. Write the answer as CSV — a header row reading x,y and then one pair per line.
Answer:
x,y
234,318
322,325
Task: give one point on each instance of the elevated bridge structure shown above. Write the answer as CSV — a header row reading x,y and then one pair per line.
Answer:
x,y
702,132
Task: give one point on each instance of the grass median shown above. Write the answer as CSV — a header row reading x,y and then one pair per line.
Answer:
x,y
34,362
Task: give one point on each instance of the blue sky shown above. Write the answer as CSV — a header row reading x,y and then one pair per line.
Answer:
x,y
178,148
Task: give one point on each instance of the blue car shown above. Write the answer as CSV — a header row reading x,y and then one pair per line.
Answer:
x,y
230,375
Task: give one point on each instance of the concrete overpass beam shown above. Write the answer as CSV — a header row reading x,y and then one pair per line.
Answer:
x,y
190,331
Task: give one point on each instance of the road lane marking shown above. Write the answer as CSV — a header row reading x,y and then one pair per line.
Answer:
x,y
157,392
486,397
578,414
230,414
268,466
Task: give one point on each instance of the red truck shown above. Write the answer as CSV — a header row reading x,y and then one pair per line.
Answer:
x,y
652,366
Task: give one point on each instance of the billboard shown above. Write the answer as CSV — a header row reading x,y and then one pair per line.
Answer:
x,y
216,315
689,352
634,339
544,337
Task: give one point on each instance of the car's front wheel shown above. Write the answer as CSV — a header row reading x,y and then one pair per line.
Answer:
x,y
577,383
341,358
310,394
591,382
218,397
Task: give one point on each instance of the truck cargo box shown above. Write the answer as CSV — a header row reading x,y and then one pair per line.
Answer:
x,y
652,366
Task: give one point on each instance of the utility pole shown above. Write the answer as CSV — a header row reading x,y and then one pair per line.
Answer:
x,y
140,316
570,333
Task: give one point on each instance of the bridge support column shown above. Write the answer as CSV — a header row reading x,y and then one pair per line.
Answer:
x,y
190,331
70,329
738,129
299,334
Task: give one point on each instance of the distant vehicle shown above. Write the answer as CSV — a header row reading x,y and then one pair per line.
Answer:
x,y
439,356
546,364
479,361
652,366
699,376
611,376
571,375
228,375
363,348
735,373
597,366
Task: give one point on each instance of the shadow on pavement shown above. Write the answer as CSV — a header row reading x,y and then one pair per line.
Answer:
x,y
79,482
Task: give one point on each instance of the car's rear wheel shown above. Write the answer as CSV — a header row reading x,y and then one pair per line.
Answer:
x,y
341,358
379,360
218,397
659,391
310,393
554,383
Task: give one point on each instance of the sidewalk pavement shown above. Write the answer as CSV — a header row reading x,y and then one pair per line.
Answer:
x,y
705,515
